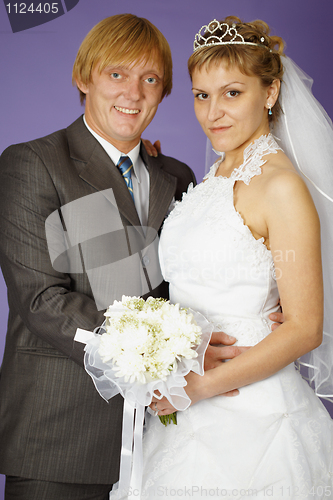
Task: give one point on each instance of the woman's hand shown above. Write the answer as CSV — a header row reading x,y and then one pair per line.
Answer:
x,y
152,149
194,389
197,389
161,406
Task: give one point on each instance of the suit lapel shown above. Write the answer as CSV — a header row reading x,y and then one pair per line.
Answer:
x,y
161,192
98,170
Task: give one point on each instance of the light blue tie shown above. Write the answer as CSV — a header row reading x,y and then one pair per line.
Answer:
x,y
125,166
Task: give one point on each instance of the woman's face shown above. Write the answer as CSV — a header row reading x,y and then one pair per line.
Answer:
x,y
231,107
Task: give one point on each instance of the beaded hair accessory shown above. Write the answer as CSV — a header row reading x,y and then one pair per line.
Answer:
x,y
230,36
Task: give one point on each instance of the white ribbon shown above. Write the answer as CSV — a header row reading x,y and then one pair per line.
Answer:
x,y
130,475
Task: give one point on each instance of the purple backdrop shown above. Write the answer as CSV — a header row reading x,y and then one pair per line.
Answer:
x,y
36,64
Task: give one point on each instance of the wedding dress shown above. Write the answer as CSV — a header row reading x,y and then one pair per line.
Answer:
x,y
275,439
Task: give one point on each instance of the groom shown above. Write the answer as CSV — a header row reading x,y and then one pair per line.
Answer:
x,y
59,439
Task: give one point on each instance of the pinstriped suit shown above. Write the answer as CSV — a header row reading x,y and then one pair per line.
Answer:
x,y
53,424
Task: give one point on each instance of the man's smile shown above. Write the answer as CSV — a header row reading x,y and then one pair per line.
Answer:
x,y
127,111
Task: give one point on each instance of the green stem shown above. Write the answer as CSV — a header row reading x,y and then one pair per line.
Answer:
x,y
167,419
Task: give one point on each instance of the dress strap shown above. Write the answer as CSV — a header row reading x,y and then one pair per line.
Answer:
x,y
212,171
253,158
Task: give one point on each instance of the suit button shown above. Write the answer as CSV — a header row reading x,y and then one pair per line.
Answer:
x,y
145,261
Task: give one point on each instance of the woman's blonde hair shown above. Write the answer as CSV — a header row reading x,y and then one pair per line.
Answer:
x,y
262,60
122,39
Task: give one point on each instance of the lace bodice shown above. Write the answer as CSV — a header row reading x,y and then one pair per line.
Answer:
x,y
251,166
210,257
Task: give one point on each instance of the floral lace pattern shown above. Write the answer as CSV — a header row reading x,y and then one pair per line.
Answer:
x,y
196,198
221,189
253,159
246,332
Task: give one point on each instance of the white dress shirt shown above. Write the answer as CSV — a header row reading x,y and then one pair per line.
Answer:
x,y
140,174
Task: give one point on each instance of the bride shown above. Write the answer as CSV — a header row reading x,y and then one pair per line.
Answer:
x,y
238,243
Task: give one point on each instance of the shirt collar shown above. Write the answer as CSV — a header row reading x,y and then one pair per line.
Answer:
x,y
115,154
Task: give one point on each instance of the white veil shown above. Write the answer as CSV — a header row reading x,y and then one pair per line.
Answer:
x,y
305,133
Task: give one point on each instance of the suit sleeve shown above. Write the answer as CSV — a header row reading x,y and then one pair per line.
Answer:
x,y
44,299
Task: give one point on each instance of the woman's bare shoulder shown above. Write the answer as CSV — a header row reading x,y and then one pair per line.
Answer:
x,y
281,177
285,191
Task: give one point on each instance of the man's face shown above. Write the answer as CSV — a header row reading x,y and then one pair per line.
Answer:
x,y
122,100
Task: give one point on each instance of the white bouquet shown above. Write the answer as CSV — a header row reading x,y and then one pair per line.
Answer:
x,y
143,350
146,339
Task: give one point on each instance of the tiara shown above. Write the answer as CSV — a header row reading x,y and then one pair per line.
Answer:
x,y
202,40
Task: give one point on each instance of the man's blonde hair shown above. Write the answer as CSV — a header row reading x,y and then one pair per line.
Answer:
x,y
122,39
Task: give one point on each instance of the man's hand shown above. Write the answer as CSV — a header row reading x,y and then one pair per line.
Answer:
x,y
278,318
152,149
221,348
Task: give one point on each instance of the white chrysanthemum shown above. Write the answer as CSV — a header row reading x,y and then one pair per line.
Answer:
x,y
144,339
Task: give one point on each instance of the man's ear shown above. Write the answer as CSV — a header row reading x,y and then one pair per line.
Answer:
x,y
82,86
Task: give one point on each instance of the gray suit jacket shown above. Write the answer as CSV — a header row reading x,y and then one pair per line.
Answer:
x,y
53,424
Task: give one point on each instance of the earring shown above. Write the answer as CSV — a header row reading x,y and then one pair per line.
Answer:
x,y
269,109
